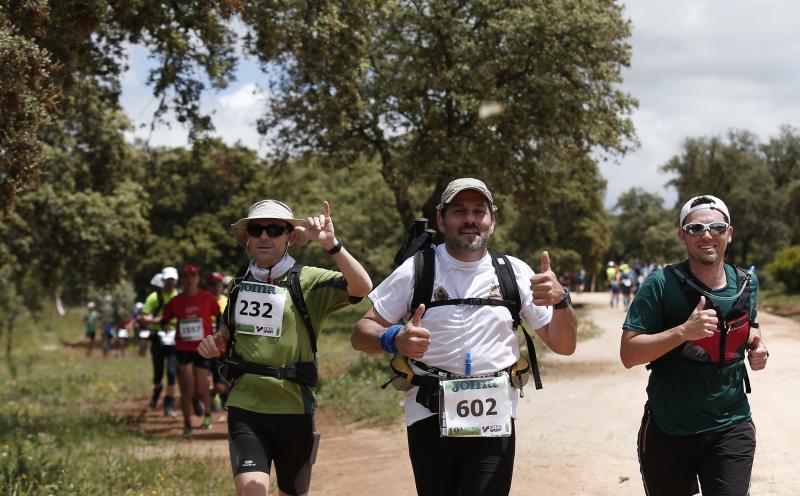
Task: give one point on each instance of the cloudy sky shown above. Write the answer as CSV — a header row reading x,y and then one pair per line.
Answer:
x,y
699,68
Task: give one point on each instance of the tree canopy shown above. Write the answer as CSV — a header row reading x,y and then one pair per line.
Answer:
x,y
503,90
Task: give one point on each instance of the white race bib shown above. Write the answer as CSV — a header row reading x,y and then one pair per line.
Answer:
x,y
259,309
191,329
476,407
167,338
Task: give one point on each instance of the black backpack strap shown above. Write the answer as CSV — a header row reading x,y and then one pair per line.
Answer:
x,y
742,304
230,314
160,297
510,292
292,282
508,284
424,270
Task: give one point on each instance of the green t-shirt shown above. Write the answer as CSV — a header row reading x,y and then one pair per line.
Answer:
x,y
91,318
689,397
151,304
324,292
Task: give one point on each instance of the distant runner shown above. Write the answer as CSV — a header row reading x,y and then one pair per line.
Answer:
x,y
193,309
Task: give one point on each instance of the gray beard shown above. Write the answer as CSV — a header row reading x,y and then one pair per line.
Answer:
x,y
475,246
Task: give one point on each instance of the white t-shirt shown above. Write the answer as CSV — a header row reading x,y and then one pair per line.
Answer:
x,y
486,331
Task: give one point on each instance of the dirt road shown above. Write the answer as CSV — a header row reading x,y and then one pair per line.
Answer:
x,y
577,436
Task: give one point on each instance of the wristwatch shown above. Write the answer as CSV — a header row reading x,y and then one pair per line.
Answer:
x,y
565,301
335,248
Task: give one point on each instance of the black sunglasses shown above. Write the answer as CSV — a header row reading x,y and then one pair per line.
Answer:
x,y
273,230
697,228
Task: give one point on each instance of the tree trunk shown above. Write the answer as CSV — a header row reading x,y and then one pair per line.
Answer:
x,y
9,338
399,189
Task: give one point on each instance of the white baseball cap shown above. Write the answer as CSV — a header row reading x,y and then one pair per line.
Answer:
x,y
169,273
704,201
157,281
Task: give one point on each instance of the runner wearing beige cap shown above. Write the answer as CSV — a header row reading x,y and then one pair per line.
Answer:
x,y
459,340
269,330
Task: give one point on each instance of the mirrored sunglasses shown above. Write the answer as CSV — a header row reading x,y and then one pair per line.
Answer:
x,y
697,228
273,230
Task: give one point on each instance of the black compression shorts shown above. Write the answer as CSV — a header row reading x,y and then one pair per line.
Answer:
x,y
465,466
672,465
288,440
193,357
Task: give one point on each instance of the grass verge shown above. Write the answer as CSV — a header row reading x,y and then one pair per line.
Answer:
x,y
780,303
63,429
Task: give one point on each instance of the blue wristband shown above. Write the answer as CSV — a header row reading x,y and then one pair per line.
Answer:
x,y
388,337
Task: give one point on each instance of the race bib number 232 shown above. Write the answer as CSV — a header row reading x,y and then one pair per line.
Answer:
x,y
259,309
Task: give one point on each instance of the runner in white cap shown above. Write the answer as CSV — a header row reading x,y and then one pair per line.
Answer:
x,y
693,324
163,343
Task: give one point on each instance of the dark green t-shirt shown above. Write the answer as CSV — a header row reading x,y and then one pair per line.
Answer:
x,y
324,292
689,397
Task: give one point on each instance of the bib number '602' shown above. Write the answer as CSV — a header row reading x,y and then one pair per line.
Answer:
x,y
465,408
259,309
476,407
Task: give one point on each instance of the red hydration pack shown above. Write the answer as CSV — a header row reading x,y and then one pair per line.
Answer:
x,y
729,342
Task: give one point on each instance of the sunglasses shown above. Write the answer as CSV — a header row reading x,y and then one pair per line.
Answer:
x,y
697,228
273,230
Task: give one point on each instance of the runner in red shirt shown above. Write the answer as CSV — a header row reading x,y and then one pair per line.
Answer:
x,y
193,309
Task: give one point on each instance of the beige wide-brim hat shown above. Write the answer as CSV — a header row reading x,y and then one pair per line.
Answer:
x,y
269,209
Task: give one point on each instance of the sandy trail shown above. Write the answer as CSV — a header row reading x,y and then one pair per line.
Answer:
x,y
577,436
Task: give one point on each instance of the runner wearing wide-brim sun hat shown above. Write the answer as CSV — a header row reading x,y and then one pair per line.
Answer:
x,y
269,209
267,339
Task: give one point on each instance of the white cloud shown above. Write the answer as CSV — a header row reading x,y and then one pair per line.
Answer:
x,y
700,69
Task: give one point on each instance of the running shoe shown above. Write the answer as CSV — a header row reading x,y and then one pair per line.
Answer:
x,y
216,404
207,423
169,406
199,409
187,433
156,394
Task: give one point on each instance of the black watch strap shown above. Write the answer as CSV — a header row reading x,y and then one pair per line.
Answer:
x,y
336,248
565,301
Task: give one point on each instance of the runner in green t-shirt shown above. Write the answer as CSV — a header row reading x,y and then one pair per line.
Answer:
x,y
693,323
162,347
270,409
90,319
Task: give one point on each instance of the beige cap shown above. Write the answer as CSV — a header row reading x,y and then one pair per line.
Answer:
x,y
268,209
458,185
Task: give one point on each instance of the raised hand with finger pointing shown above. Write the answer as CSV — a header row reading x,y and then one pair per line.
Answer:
x,y
545,286
319,228
413,340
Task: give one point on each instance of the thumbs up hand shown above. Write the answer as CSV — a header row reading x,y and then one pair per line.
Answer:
x,y
545,286
413,340
701,323
757,354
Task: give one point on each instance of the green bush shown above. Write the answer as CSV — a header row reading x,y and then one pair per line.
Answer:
x,y
786,268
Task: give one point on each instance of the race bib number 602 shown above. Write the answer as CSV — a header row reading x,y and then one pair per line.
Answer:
x,y
476,407
259,309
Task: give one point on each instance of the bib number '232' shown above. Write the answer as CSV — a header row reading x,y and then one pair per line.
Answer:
x,y
476,407
259,309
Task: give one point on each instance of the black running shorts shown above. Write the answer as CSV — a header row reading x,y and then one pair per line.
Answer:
x,y
672,465
288,440
193,357
459,466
